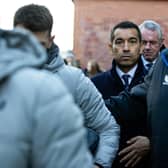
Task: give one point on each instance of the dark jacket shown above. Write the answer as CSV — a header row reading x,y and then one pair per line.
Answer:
x,y
154,93
110,84
36,128
157,94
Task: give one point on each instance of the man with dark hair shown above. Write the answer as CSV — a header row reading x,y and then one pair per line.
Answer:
x,y
125,25
152,41
40,25
149,100
127,71
96,115
125,45
36,128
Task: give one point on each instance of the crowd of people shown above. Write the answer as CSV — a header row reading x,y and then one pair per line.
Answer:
x,y
55,115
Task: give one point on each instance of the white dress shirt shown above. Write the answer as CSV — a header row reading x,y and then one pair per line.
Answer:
x,y
131,73
145,62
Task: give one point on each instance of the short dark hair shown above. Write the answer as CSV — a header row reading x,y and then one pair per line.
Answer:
x,y
36,18
126,25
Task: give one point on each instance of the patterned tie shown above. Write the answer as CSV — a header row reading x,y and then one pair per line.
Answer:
x,y
126,81
149,65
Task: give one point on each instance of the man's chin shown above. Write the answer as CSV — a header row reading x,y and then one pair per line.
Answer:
x,y
149,58
127,65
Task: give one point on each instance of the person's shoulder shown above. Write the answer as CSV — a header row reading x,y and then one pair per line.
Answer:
x,y
34,78
100,76
28,74
73,69
72,72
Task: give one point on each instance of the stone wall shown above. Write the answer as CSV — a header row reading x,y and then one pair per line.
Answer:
x,y
95,18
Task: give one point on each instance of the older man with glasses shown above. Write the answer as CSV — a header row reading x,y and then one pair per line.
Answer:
x,y
152,40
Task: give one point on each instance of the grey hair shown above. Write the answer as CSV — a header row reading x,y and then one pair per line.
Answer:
x,y
153,26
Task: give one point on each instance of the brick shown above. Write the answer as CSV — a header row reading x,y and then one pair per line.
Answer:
x,y
94,20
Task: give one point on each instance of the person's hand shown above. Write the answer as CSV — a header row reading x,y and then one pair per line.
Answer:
x,y
138,147
96,166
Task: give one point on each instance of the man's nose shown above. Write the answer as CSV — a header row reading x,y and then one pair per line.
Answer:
x,y
148,45
126,46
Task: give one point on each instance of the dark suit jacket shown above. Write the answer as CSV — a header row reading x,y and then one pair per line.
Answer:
x,y
109,84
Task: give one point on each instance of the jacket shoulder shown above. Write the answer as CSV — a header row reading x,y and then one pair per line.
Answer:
x,y
71,76
29,81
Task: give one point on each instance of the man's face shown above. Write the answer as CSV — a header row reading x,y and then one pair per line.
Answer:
x,y
126,48
150,44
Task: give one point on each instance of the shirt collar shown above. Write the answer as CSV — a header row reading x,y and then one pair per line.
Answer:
x,y
145,62
131,73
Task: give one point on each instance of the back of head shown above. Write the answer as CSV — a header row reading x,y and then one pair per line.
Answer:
x,y
36,18
125,25
18,49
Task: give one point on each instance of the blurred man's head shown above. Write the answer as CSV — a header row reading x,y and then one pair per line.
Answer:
x,y
152,39
38,20
125,45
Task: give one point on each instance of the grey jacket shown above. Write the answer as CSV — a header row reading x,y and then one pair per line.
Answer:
x,y
36,128
96,115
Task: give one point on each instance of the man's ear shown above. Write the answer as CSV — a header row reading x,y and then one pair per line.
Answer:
x,y
141,47
51,39
110,47
162,40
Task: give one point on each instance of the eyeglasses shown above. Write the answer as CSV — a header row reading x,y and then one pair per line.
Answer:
x,y
151,43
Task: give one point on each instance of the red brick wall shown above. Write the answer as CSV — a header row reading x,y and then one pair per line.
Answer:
x,y
95,18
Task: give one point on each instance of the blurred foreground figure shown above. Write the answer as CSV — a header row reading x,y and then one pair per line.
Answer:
x,y
98,119
40,126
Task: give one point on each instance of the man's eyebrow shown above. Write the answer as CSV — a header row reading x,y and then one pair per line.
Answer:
x,y
133,38
119,38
